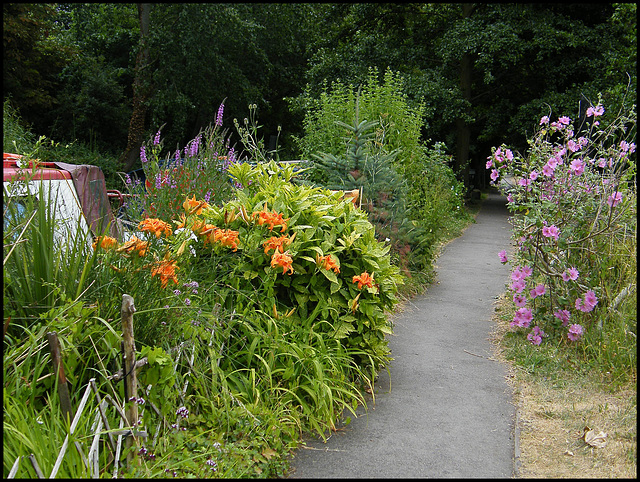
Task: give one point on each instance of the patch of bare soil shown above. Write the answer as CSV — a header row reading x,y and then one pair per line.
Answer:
x,y
554,416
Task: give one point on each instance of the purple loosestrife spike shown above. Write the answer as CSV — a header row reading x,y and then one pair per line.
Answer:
x,y
219,117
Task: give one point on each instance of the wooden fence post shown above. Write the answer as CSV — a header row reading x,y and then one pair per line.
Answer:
x,y
130,380
58,368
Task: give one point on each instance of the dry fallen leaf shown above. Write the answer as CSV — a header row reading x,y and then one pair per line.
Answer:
x,y
595,440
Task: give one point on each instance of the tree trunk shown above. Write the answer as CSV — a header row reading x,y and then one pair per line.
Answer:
x,y
141,93
463,132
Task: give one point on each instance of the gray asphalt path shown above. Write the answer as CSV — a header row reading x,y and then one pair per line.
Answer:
x,y
445,410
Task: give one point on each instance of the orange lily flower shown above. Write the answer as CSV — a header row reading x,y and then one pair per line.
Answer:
x,y
226,237
364,279
271,218
191,206
203,229
135,244
276,243
166,270
155,226
283,260
199,225
327,263
105,242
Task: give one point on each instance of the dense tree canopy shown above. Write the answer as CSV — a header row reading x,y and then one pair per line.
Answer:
x,y
485,72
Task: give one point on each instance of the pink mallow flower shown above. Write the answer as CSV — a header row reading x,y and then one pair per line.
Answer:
x,y
520,301
614,199
536,335
508,154
548,170
588,303
522,318
573,146
503,256
518,286
570,274
538,291
627,148
590,298
551,232
563,316
575,332
595,111
577,167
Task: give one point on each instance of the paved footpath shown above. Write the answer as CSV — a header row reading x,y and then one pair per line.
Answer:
x,y
445,410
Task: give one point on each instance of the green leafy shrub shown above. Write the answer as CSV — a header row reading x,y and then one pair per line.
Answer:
x,y
413,196
308,285
287,270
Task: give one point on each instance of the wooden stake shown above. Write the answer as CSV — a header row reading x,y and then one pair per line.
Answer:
x,y
58,368
130,380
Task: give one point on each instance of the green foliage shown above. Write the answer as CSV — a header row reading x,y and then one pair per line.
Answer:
x,y
32,59
259,349
379,100
16,138
255,150
33,419
526,57
93,105
413,215
262,62
312,224
27,430
19,139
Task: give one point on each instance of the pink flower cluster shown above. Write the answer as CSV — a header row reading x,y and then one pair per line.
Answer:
x,y
536,335
522,318
570,274
551,232
518,277
588,303
575,332
499,160
563,171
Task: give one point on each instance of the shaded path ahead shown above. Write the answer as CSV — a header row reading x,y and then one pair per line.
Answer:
x,y
446,410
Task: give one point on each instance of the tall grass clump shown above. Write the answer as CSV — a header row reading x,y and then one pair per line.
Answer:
x,y
46,272
44,253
